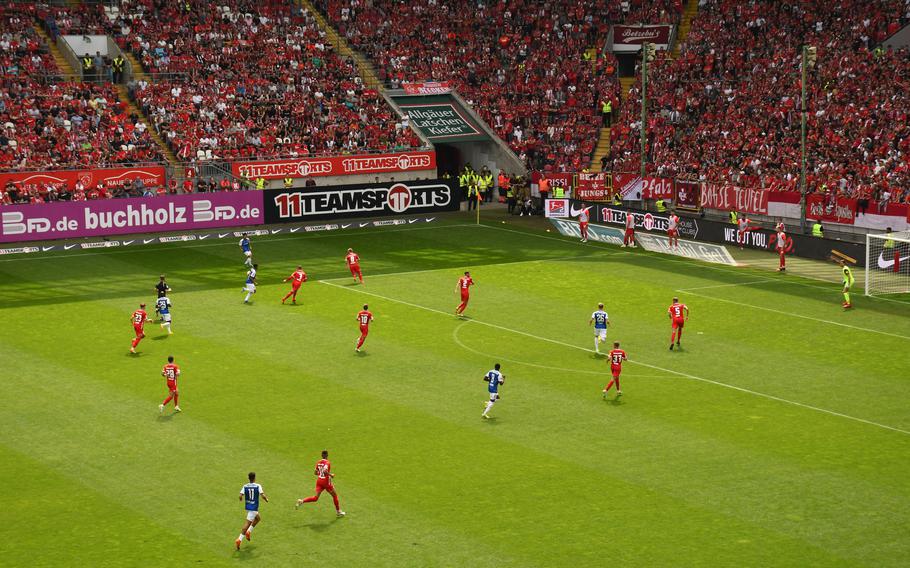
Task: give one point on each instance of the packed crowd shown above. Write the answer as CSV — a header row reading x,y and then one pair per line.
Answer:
x,y
523,65
21,51
728,108
256,79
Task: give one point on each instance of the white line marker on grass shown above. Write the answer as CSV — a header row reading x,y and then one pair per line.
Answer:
x,y
655,367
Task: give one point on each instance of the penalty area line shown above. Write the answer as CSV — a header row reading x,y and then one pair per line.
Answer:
x,y
655,367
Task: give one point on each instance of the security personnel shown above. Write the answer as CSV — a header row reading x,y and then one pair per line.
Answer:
x,y
288,182
734,219
473,191
817,229
486,183
464,180
510,193
260,182
504,183
117,65
606,109
88,67
559,191
661,205
617,199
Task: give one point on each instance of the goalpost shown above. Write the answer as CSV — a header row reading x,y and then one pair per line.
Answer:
x,y
888,263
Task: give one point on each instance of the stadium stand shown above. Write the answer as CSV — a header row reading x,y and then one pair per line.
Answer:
x,y
728,108
524,66
251,79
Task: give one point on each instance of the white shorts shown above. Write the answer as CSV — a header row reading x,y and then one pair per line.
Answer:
x,y
166,318
251,515
601,333
250,288
248,253
494,396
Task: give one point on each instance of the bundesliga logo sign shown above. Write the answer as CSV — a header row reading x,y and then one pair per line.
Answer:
x,y
398,198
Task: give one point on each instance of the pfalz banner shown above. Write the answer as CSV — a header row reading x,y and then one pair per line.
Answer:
x,y
633,188
151,176
75,219
631,38
731,198
335,165
361,200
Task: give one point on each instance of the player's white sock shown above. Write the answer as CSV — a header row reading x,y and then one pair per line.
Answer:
x,y
168,327
487,409
240,537
248,294
249,530
596,344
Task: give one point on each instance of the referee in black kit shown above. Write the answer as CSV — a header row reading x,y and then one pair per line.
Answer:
x,y
162,288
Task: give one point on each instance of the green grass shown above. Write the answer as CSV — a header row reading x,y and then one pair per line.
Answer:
x,y
695,466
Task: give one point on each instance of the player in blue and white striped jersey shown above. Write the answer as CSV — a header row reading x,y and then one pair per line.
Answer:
x,y
163,307
250,494
247,249
601,320
494,380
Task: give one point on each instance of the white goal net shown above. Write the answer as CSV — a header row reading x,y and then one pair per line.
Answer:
x,y
888,263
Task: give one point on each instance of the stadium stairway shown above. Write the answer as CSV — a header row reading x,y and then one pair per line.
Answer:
x,y
689,13
123,93
364,67
63,65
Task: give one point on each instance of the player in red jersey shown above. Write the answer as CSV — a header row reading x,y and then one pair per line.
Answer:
x,y
298,277
170,372
583,218
138,318
364,317
679,315
629,238
324,475
354,265
615,358
673,230
464,287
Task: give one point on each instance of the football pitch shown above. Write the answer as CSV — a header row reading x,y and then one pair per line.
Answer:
x,y
778,436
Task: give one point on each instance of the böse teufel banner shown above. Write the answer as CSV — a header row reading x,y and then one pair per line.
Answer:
x,y
362,200
151,176
336,165
730,198
68,220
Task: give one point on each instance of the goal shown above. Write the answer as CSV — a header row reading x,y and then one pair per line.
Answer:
x,y
888,263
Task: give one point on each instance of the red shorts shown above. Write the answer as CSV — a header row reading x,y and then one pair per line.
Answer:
x,y
583,224
364,330
678,323
138,330
672,233
616,371
172,386
296,286
355,268
630,233
465,296
324,486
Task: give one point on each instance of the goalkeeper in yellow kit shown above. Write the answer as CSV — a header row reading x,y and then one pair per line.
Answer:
x,y
848,282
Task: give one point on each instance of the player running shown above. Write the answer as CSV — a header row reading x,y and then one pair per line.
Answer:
x,y
297,278
247,250
250,494
364,317
676,312
583,219
464,287
673,231
848,282
628,238
617,356
494,380
163,307
324,476
138,318
161,290
601,320
353,261
170,372
250,286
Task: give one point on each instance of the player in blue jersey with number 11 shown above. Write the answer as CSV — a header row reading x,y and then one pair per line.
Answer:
x,y
601,320
250,494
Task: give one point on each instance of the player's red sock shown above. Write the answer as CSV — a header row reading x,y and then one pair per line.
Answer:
x,y
360,341
175,400
461,307
672,336
616,380
679,335
335,499
286,296
167,400
609,385
312,499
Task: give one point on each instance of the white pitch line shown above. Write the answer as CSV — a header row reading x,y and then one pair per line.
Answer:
x,y
655,367
449,268
723,285
801,316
